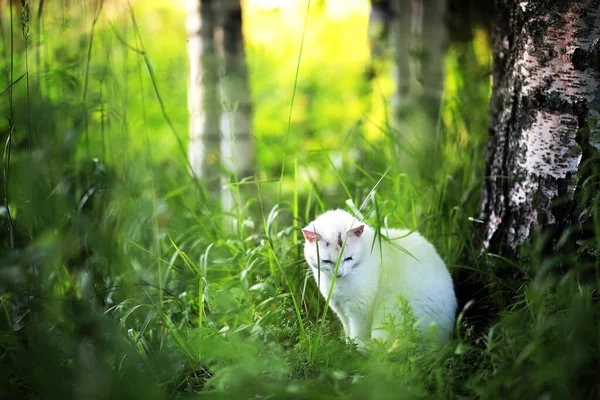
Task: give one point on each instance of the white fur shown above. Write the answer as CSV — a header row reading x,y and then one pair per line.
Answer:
x,y
367,288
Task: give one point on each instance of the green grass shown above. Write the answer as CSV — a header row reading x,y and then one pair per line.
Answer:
x,y
123,281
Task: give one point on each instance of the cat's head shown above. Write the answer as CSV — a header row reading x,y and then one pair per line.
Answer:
x,y
328,234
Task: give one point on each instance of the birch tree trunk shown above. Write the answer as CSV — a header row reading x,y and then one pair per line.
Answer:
x,y
237,147
544,117
400,102
433,44
418,38
203,100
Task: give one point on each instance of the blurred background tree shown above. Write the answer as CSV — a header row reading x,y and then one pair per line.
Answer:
x,y
219,99
416,33
203,96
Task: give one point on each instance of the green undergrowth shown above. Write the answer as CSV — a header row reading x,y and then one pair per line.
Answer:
x,y
124,280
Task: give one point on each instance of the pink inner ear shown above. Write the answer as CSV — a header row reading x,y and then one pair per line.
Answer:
x,y
357,231
311,236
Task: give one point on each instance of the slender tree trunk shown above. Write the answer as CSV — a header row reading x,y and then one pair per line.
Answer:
x,y
418,38
400,40
379,28
203,99
434,38
544,117
237,146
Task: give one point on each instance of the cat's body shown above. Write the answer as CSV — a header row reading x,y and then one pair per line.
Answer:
x,y
373,275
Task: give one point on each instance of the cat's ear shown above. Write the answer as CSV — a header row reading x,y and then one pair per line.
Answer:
x,y
311,235
358,231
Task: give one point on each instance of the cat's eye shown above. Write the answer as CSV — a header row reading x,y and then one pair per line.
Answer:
x,y
348,259
327,262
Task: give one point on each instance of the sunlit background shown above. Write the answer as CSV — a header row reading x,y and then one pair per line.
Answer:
x,y
333,96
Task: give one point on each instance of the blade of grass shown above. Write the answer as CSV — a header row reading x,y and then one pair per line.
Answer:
x,y
7,152
11,127
185,257
152,174
372,191
287,133
295,210
337,174
275,259
9,87
291,290
38,59
180,144
87,73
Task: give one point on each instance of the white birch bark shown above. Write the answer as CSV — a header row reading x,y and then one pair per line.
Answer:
x,y
544,117
203,100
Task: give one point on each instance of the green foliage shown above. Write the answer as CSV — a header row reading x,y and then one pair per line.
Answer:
x,y
124,283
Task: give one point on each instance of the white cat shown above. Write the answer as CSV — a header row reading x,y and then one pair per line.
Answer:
x,y
371,278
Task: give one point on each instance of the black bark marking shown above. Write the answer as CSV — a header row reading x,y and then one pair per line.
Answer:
x,y
579,59
594,55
